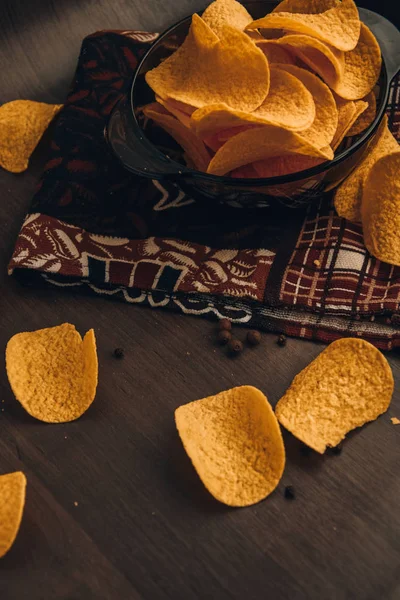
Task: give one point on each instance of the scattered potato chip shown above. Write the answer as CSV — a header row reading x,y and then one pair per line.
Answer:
x,y
189,141
348,196
12,500
362,67
324,126
22,124
208,69
234,442
285,165
260,143
53,373
349,112
366,118
395,421
380,209
226,12
309,7
349,384
338,26
276,53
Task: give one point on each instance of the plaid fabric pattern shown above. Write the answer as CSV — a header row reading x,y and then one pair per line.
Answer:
x,y
92,225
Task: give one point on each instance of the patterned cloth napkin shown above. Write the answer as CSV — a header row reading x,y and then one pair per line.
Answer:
x,y
93,225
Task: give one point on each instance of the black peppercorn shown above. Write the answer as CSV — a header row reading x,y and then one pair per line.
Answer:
x,y
225,325
235,346
281,341
290,494
253,338
223,337
119,353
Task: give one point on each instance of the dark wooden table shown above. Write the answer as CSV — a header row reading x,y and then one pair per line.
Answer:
x,y
114,509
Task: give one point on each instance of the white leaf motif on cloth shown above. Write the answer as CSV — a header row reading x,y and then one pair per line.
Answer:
x,y
107,240
30,218
62,244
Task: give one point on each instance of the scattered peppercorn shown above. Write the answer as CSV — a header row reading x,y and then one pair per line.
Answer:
x,y
235,346
223,337
253,337
119,353
290,494
281,341
225,325
305,450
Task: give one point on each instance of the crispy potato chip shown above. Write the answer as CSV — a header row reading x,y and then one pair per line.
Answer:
x,y
260,143
362,67
226,12
53,373
349,384
380,209
289,104
285,165
349,195
12,500
245,172
189,141
276,53
208,69
324,126
235,444
171,108
366,118
349,112
309,7
338,26
22,124
395,421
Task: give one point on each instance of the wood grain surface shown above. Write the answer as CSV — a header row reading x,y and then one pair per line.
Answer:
x,y
114,509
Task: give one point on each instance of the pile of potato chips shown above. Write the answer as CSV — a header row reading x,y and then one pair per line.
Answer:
x,y
268,97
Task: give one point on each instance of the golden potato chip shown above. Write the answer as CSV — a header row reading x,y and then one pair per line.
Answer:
x,y
226,12
349,195
395,421
324,126
362,67
276,53
170,107
12,500
22,124
349,112
260,143
207,69
380,209
366,118
285,165
53,373
245,172
289,104
349,384
309,7
338,26
189,141
235,444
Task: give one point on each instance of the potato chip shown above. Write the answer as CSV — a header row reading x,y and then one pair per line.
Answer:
x,y
208,69
285,165
12,500
349,112
22,124
245,172
309,7
349,195
338,26
226,12
349,384
366,118
53,373
380,209
276,53
189,141
362,67
289,104
171,109
260,143
324,126
235,444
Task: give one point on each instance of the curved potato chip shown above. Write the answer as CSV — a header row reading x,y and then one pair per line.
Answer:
x,y
52,372
349,112
338,26
310,7
289,104
324,126
349,384
22,124
276,53
207,69
285,165
235,444
189,141
260,143
183,117
362,67
348,196
366,118
245,172
380,209
12,501
226,12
